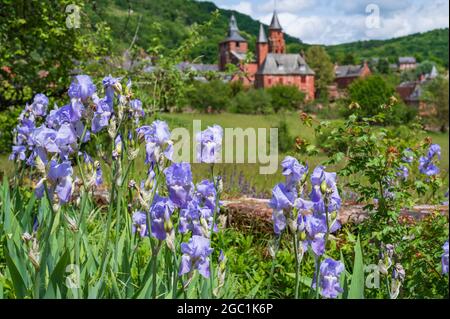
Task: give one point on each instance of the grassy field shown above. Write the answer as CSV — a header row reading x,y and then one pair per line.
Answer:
x,y
245,179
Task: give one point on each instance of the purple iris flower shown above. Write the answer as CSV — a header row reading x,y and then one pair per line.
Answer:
x,y
82,88
24,131
206,193
65,137
39,106
319,179
434,150
403,172
209,144
109,83
195,256
179,183
160,213
408,156
18,152
196,219
279,221
157,139
445,258
330,272
427,167
293,171
136,109
282,197
140,223
60,178
98,175
44,141
102,115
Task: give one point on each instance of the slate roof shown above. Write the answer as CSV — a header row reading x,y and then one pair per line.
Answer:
x,y
233,32
285,64
197,67
345,71
262,38
239,55
406,59
275,24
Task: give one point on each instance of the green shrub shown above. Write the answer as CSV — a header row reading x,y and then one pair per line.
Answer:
x,y
285,140
285,97
252,102
8,120
214,95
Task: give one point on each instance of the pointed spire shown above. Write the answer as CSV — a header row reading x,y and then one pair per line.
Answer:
x,y
275,24
233,24
262,35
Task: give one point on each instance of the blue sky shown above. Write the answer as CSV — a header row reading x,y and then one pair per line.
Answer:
x,y
341,21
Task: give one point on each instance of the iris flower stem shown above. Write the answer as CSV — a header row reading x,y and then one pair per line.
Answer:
x,y
297,266
154,263
211,266
108,222
272,269
319,259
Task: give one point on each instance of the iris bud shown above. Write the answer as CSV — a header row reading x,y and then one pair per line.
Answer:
x,y
323,187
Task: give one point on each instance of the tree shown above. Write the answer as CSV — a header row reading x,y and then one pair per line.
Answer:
x,y
285,97
370,96
320,62
41,44
436,93
252,102
349,59
383,66
214,95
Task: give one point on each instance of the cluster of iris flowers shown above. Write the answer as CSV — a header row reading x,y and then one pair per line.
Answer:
x,y
310,220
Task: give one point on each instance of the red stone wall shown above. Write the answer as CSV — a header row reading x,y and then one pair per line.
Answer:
x,y
304,83
277,43
262,49
225,48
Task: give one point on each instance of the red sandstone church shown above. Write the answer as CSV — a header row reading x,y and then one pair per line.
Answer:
x,y
273,66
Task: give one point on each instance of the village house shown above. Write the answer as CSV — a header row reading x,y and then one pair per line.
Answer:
x,y
411,92
346,74
406,63
273,66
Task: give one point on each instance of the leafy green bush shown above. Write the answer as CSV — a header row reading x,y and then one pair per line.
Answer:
x,y
285,140
8,120
252,102
285,97
370,96
214,95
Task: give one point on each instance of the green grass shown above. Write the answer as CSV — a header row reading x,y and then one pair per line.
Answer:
x,y
245,179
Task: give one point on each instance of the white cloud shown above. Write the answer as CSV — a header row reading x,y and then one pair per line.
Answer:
x,y
340,21
243,7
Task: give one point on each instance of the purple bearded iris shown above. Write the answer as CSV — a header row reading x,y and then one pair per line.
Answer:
x,y
209,144
403,172
206,194
82,88
408,156
160,214
196,219
102,115
136,110
330,272
140,224
157,141
39,105
195,256
110,83
445,258
293,171
282,200
179,183
426,165
18,152
60,180
324,184
313,230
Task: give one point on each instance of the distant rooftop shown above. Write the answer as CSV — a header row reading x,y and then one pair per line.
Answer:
x,y
344,71
406,59
285,64
233,32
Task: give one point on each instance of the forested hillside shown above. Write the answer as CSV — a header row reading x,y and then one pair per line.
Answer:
x,y
175,17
